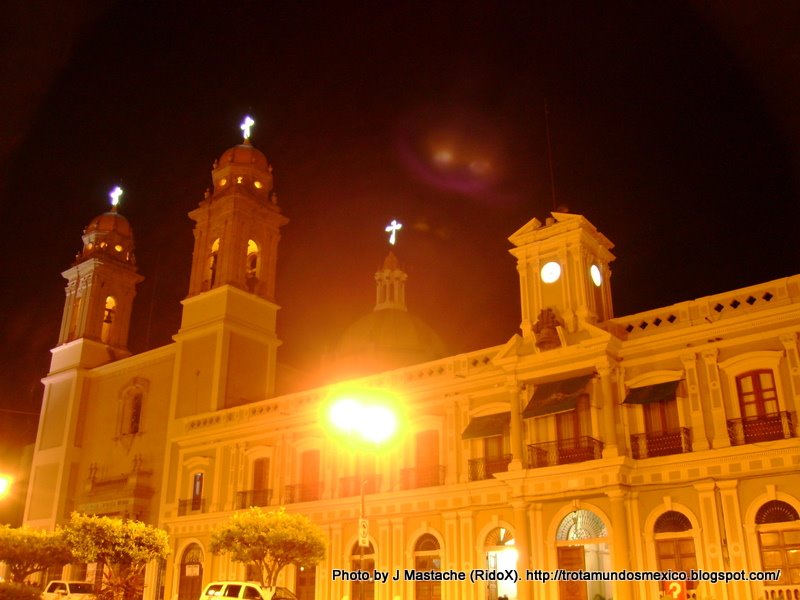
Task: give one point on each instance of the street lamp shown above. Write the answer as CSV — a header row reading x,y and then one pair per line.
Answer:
x,y
365,420
5,485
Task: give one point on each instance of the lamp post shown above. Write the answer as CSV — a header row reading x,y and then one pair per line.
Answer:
x,y
364,420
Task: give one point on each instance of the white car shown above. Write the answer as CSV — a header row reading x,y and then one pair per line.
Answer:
x,y
68,590
245,590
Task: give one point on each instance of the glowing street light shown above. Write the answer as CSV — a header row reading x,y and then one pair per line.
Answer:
x,y
365,419
5,485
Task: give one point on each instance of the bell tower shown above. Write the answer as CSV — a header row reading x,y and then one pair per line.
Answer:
x,y
227,336
564,271
101,286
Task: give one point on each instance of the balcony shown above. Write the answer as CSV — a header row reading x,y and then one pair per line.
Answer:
x,y
420,477
351,486
661,443
302,492
781,592
486,467
762,428
250,498
192,505
562,452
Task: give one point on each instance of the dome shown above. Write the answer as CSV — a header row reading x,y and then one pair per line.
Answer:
x,y
110,222
387,339
243,155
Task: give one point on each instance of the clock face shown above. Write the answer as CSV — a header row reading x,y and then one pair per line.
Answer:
x,y
550,272
597,276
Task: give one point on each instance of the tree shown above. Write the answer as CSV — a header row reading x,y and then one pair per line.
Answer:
x,y
270,540
123,547
27,551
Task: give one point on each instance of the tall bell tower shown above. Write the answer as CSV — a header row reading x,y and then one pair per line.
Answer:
x,y
564,272
227,338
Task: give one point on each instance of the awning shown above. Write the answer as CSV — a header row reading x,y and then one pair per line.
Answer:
x,y
652,393
556,396
487,426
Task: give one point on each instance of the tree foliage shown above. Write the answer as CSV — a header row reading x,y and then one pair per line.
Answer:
x,y
270,540
26,551
124,547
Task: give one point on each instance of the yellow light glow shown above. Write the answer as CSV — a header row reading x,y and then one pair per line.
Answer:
x,y
363,418
118,248
222,182
550,272
258,185
597,276
443,156
5,484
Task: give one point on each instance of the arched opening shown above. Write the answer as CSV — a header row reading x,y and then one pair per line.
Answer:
x,y
778,527
130,421
109,316
427,558
675,549
252,265
212,264
191,576
363,559
501,555
582,545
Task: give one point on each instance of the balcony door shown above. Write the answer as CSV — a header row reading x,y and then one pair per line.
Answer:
x,y
309,476
427,458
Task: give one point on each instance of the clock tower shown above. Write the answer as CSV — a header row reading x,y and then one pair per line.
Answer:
x,y
563,267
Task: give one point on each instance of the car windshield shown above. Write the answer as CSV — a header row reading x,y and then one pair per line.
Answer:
x,y
81,588
282,593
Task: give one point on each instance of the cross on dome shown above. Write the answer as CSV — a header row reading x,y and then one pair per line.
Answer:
x,y
392,229
114,195
245,127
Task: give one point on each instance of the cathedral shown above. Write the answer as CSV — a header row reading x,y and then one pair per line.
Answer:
x,y
666,440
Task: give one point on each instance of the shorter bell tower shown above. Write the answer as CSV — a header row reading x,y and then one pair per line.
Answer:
x,y
101,285
564,272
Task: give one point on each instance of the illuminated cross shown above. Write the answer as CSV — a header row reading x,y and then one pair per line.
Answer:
x,y
245,127
392,229
115,194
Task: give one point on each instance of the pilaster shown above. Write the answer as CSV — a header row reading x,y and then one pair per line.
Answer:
x,y
719,420
696,417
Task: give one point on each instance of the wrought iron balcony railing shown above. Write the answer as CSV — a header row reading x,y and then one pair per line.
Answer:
x,y
351,486
420,477
561,452
486,467
774,426
302,492
192,505
661,443
250,498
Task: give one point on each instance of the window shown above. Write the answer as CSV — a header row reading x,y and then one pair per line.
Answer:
x,y
109,314
197,491
426,558
574,423
131,413
212,263
309,476
363,559
778,525
757,393
660,417
674,543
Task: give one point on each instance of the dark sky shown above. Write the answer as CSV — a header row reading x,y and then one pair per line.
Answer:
x,y
674,127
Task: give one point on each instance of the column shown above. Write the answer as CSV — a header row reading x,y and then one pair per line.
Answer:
x,y
734,534
789,342
696,418
451,557
619,536
609,411
468,591
719,419
517,447
523,543
711,533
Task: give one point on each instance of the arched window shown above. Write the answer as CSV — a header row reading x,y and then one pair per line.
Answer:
x,y
363,559
212,263
426,558
778,526
501,555
674,543
109,315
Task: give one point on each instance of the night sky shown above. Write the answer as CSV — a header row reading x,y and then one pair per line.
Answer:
x,y
674,129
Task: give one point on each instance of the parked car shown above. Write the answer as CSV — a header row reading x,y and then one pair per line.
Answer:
x,y
245,590
68,590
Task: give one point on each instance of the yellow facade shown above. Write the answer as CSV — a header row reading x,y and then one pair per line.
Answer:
x,y
665,439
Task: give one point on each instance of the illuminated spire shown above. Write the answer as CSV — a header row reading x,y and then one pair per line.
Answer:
x,y
115,195
245,127
392,229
